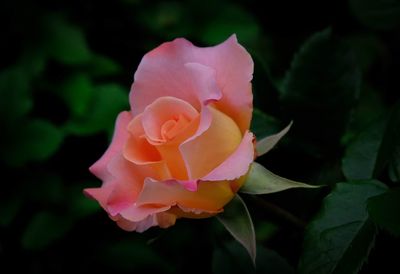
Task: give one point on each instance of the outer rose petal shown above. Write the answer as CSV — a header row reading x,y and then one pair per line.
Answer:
x,y
100,168
181,212
125,224
237,164
234,68
100,194
209,197
122,180
118,197
141,226
162,219
161,73
137,213
165,219
127,184
120,136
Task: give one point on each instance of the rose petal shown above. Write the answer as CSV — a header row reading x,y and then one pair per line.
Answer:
x,y
162,110
209,197
182,212
234,68
125,224
141,226
101,167
159,113
190,185
137,213
165,219
237,164
161,73
137,149
207,150
127,185
162,219
100,194
204,82
120,136
121,192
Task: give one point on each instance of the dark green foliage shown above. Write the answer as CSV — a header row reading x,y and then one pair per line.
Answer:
x,y
340,237
64,42
15,95
377,14
101,111
384,210
361,154
31,140
389,153
320,90
44,228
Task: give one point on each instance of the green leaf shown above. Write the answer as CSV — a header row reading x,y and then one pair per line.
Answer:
x,y
374,149
319,91
266,144
377,14
236,219
263,125
31,140
108,100
65,42
15,97
231,258
389,152
340,237
384,210
262,181
360,157
44,229
369,109
103,66
77,92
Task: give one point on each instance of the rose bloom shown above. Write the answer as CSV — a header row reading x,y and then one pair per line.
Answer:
x,y
185,147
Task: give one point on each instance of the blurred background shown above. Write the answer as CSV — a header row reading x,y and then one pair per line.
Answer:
x,y
66,70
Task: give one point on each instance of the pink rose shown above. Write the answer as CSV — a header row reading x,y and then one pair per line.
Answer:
x,y
185,147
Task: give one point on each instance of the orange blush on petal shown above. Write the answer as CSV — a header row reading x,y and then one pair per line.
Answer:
x,y
137,148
